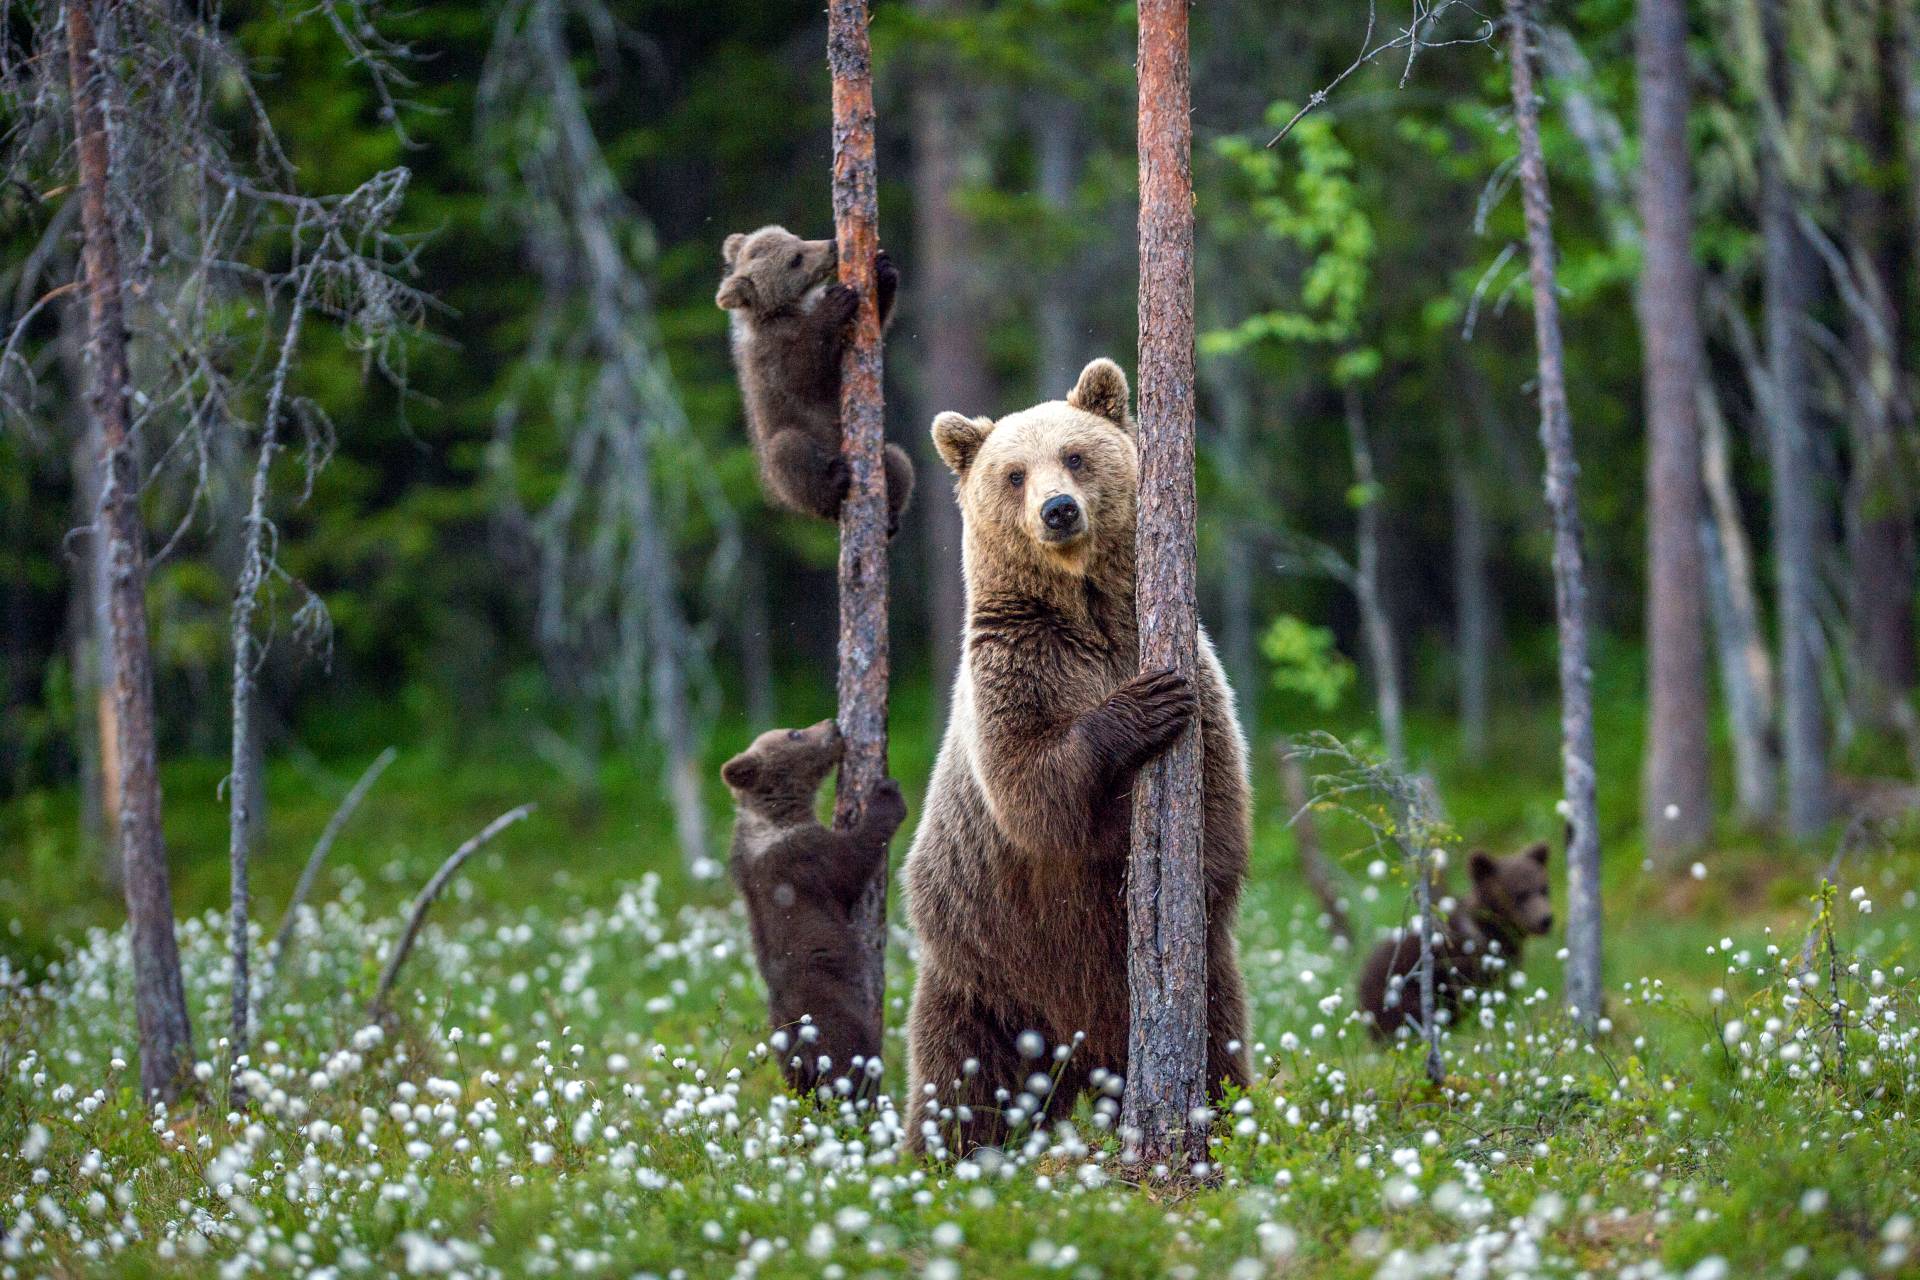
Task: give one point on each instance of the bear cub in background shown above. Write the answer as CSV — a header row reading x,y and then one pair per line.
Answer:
x,y
801,881
789,319
1481,938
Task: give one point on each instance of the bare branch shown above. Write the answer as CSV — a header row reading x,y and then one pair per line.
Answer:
x,y
321,848
1411,37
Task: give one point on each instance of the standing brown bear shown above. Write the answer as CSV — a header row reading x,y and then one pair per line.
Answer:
x,y
1015,880
789,321
801,882
1509,900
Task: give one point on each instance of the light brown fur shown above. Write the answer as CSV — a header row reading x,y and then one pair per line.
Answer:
x,y
1015,880
789,327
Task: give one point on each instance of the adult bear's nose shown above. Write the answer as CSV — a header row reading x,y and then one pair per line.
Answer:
x,y
1060,513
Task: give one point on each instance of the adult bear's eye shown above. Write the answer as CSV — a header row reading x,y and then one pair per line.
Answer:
x,y
1073,462
795,264
1016,478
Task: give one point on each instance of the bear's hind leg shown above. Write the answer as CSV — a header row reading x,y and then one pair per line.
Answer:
x,y
1227,1050
967,1055
806,476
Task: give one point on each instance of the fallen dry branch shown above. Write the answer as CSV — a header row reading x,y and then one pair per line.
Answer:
x,y
321,848
418,915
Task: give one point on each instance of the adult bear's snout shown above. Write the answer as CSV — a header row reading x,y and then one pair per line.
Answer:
x,y
1060,513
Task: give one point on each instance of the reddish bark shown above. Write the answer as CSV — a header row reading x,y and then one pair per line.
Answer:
x,y
1166,903
863,517
1676,804
160,1002
1583,990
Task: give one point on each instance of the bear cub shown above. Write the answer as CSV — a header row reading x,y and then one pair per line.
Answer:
x,y
789,321
1507,902
800,881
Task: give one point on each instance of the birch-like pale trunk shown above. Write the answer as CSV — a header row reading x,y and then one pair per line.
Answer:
x,y
1676,808
1791,289
863,646
1583,990
160,1002
1383,658
1163,1109
1474,620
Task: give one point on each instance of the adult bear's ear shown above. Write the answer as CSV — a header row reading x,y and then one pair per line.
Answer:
x,y
1102,390
731,248
741,772
958,438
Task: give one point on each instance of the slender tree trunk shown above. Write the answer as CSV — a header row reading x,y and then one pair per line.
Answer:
x,y
1315,869
1162,1108
1676,804
1474,618
1791,291
86,637
864,653
160,1003
1056,148
1746,668
1584,989
1880,499
1382,654
952,329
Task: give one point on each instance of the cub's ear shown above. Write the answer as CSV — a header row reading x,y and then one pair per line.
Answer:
x,y
1102,390
958,438
731,248
741,773
1481,866
1538,852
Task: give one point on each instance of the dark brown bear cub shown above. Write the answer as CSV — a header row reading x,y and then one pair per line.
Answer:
x,y
1482,936
800,882
790,324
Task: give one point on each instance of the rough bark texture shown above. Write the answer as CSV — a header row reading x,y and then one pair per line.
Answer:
x,y
1791,290
1746,668
1583,988
160,1003
863,518
1880,491
1383,658
1675,799
952,337
1314,867
1166,898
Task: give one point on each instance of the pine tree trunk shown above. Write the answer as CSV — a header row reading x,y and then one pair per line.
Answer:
x,y
1584,990
946,298
1746,668
863,518
1474,619
1166,901
1791,291
1676,800
1880,491
1383,657
160,1004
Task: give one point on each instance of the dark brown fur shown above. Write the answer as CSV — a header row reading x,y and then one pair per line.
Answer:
x,y
1016,877
790,324
1481,938
800,881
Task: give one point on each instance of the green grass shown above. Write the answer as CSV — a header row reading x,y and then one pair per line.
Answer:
x,y
558,1093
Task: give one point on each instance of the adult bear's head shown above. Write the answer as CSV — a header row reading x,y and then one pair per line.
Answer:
x,y
1050,489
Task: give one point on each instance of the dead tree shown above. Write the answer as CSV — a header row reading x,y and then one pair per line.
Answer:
x,y
1382,656
1584,991
863,648
1676,800
1164,1105
160,1002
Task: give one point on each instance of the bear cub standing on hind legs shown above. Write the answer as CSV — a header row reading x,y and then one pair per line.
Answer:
x,y
801,881
1481,937
789,322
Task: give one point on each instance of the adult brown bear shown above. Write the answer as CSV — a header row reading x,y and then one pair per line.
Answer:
x,y
1016,876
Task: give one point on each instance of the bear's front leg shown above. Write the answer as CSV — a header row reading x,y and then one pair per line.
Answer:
x,y
806,476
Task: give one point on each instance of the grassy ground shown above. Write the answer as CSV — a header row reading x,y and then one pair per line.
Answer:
x,y
575,1083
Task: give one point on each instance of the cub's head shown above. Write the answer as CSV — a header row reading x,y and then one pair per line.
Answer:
x,y
1515,888
1050,486
779,774
772,268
